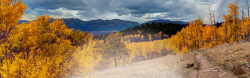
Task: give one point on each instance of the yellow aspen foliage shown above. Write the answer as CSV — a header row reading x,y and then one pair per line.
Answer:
x,y
211,44
233,9
143,49
196,36
85,59
10,12
149,37
42,49
142,37
78,38
184,50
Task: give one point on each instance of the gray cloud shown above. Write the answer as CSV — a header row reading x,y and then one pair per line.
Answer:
x,y
135,10
55,4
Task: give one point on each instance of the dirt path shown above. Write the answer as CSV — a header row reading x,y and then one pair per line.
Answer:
x,y
207,70
170,66
163,67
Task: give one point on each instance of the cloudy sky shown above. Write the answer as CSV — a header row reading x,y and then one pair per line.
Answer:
x,y
133,10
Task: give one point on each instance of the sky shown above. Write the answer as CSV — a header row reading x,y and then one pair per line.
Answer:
x,y
132,10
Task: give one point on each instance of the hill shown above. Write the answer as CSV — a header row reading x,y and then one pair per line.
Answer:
x,y
231,57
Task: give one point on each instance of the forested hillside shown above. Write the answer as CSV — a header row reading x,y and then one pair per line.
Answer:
x,y
150,31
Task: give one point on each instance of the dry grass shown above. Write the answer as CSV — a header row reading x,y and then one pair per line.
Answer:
x,y
230,57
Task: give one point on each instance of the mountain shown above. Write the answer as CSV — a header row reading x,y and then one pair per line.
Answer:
x,y
22,21
167,21
100,26
97,26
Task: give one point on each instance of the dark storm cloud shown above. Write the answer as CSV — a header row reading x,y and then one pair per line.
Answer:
x,y
136,10
54,4
146,7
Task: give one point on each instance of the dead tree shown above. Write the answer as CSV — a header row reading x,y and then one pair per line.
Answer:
x,y
243,14
247,7
210,14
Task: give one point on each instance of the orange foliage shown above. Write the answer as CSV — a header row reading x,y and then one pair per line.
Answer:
x,y
196,36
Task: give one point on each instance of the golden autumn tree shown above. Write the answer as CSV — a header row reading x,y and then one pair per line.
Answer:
x,y
10,13
43,49
190,37
233,20
85,59
78,38
114,48
198,30
196,36
40,45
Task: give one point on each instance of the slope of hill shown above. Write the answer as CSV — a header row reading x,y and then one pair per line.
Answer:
x,y
231,57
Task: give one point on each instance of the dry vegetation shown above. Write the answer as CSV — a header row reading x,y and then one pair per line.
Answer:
x,y
231,57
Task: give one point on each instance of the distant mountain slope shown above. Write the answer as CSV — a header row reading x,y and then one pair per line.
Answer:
x,y
167,21
177,22
22,21
97,25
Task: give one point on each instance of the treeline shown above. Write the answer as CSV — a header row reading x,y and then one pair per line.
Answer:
x,y
166,30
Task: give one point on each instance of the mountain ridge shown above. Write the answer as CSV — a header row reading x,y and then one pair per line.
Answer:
x,y
100,26
167,21
96,25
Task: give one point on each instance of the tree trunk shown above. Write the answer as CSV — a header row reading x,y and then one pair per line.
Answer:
x,y
6,57
115,57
